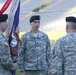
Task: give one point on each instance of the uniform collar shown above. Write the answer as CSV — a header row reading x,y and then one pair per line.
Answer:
x,y
38,36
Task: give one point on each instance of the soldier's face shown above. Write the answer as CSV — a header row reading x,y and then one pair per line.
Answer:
x,y
4,25
35,24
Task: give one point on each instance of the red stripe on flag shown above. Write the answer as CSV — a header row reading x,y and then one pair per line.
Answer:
x,y
5,6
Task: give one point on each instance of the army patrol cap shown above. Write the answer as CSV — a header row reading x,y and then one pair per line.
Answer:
x,y
3,17
71,19
35,17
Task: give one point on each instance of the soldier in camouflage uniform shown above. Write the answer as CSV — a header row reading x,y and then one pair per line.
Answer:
x,y
64,52
34,53
6,63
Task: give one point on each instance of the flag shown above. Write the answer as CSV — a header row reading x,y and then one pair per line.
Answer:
x,y
11,16
13,22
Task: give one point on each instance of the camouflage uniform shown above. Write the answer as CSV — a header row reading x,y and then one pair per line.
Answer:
x,y
64,56
34,54
6,64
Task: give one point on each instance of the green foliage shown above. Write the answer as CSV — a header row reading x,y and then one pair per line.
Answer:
x,y
17,72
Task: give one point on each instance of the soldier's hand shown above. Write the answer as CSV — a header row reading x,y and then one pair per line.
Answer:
x,y
49,72
15,66
23,73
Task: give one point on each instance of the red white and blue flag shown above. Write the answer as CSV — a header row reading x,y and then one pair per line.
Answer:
x,y
13,22
13,17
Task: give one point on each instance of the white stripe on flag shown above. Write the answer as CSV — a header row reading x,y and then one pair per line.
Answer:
x,y
11,16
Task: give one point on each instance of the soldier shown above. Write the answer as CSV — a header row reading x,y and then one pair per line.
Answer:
x,y
6,63
64,52
34,53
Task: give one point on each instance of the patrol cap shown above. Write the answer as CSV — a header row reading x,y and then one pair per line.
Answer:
x,y
71,19
35,17
3,17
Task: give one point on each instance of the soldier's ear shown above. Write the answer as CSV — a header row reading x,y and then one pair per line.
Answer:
x,y
67,28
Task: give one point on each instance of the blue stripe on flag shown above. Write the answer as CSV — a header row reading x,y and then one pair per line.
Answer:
x,y
15,22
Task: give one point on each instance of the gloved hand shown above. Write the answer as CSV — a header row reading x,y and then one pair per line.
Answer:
x,y
15,66
49,72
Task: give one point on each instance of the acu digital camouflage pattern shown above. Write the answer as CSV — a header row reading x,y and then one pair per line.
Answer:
x,y
34,53
6,64
64,56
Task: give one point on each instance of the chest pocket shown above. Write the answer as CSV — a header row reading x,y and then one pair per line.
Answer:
x,y
40,42
30,43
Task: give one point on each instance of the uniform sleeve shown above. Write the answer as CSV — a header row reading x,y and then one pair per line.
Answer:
x,y
5,56
57,61
48,53
21,55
